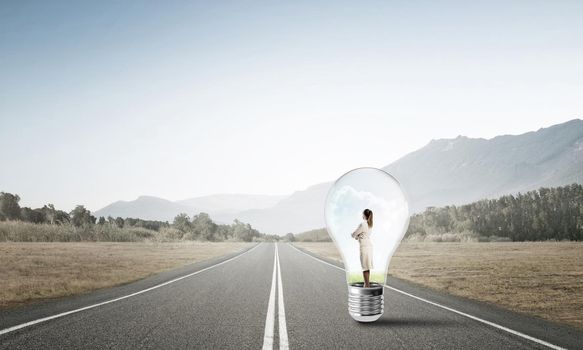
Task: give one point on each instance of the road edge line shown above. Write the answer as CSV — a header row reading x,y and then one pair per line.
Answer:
x,y
475,318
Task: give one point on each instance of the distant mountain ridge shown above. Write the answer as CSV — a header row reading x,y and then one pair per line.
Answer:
x,y
227,202
445,171
301,211
222,207
461,170
144,207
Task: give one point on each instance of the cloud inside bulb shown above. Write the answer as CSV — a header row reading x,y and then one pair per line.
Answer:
x,y
344,212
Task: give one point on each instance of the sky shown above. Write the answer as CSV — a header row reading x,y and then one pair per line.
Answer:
x,y
109,100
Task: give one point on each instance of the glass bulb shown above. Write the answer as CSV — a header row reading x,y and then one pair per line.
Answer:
x,y
351,194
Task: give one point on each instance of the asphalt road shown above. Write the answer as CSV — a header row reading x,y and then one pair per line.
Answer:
x,y
268,297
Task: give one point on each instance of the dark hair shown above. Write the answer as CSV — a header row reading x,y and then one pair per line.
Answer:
x,y
368,215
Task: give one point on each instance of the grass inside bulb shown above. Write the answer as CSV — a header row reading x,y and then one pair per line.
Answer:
x,y
351,194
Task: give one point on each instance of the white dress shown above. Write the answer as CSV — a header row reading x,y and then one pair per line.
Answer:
x,y
362,234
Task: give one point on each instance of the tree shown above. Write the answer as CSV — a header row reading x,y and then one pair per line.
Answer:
x,y
101,220
35,216
81,217
131,221
182,222
244,232
9,207
204,227
50,213
54,216
224,232
290,237
119,222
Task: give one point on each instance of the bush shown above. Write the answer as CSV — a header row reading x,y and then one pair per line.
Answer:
x,y
465,236
168,234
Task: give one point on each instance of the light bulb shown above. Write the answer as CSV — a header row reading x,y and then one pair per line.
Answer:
x,y
351,194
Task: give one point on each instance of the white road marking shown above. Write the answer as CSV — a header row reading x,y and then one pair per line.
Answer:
x,y
270,318
495,325
44,319
283,341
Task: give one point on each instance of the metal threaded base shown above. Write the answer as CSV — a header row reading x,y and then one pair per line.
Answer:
x,y
365,304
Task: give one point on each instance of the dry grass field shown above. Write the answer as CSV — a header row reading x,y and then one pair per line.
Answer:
x,y
33,271
544,279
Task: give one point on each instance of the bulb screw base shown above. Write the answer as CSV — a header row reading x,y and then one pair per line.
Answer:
x,y
365,304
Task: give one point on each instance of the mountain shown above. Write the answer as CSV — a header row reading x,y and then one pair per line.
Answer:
x,y
301,211
228,202
462,170
223,208
453,171
445,171
145,207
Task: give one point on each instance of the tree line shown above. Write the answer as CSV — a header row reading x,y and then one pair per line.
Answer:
x,y
199,227
543,214
10,210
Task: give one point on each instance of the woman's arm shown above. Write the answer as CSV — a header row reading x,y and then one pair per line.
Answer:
x,y
357,232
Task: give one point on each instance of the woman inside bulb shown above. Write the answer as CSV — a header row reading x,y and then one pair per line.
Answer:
x,y
362,235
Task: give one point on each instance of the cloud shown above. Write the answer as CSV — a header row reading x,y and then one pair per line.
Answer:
x,y
344,208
